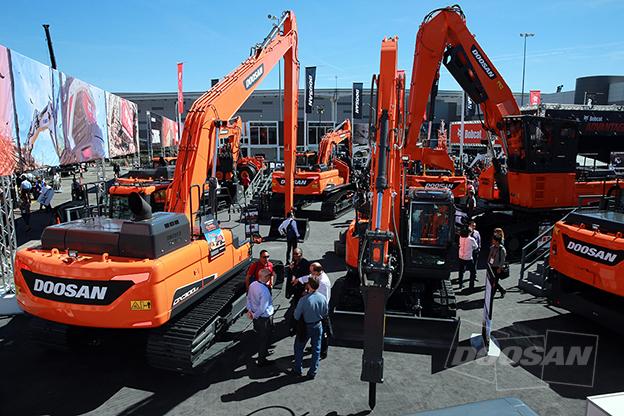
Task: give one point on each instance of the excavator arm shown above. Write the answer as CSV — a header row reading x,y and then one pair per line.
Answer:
x,y
197,151
333,138
444,38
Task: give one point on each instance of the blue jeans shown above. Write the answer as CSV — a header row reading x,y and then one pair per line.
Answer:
x,y
314,332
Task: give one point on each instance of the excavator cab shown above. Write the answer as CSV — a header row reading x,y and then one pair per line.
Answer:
x,y
540,144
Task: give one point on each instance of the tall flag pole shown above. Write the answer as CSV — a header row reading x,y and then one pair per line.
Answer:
x,y
180,99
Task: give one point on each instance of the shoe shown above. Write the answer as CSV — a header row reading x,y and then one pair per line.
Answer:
x,y
310,376
323,355
293,372
461,286
270,352
263,362
503,294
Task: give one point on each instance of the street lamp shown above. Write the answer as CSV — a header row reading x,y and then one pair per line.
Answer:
x,y
525,36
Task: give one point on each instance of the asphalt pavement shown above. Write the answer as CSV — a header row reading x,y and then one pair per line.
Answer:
x,y
117,381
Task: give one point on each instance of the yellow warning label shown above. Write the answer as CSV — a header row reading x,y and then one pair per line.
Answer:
x,y
140,305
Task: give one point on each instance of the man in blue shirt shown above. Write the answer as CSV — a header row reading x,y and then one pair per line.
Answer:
x,y
312,308
260,309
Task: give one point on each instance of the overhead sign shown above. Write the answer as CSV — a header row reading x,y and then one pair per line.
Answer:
x,y
310,79
473,133
356,100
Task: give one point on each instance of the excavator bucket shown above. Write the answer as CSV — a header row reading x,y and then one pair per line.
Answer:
x,y
402,332
303,226
437,337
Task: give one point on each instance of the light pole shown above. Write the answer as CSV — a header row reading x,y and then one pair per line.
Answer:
x,y
525,36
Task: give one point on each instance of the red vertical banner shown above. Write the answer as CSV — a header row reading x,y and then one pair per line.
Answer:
x,y
535,97
180,95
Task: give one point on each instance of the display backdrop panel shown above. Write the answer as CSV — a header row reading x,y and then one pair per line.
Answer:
x,y
50,118
121,118
37,103
8,148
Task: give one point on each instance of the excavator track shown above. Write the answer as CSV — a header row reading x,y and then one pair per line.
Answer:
x,y
337,203
183,343
50,335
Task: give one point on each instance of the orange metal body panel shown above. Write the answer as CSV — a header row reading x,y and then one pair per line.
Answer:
x,y
352,247
541,190
317,182
607,278
551,190
456,184
133,186
166,275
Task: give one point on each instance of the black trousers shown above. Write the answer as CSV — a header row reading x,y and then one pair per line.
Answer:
x,y
496,282
264,329
467,265
291,245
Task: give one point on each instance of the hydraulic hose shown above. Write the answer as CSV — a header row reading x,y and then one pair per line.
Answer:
x,y
398,239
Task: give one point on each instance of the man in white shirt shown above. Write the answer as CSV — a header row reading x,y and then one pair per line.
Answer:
x,y
260,310
288,228
325,284
316,270
467,246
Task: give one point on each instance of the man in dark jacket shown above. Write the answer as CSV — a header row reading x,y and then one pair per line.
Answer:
x,y
297,268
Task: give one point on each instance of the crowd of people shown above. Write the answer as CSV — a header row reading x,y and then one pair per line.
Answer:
x,y
35,189
308,320
469,254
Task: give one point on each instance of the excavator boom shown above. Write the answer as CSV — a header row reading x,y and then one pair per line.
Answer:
x,y
220,104
333,138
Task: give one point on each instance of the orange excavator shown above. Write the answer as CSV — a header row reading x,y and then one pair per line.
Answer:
x,y
398,247
231,163
326,179
152,183
586,261
177,275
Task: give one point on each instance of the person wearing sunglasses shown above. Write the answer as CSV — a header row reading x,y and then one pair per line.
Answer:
x,y
254,270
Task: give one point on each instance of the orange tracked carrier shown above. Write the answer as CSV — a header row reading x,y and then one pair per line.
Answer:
x,y
175,272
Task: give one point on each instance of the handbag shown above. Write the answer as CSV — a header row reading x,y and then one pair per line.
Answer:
x,y
327,327
504,273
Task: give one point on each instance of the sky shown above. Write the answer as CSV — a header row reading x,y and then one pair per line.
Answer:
x,y
134,45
